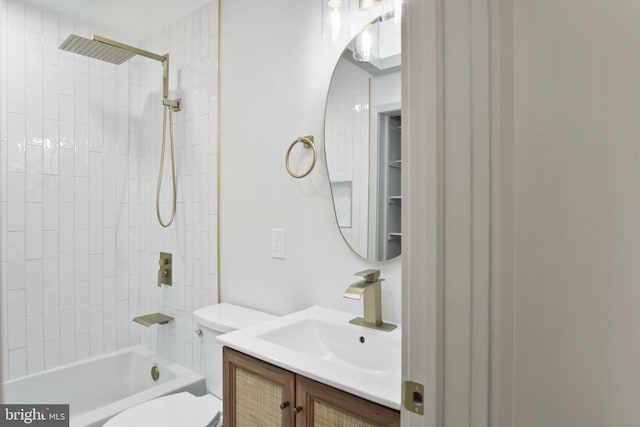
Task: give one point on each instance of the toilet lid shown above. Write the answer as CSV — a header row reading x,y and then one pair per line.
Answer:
x,y
180,409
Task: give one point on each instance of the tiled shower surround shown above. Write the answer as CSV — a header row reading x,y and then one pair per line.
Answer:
x,y
79,155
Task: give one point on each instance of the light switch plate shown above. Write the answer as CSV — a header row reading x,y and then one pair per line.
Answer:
x,y
277,243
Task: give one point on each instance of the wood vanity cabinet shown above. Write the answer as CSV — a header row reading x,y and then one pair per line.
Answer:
x,y
258,394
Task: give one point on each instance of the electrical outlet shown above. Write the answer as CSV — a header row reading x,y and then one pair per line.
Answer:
x,y
277,243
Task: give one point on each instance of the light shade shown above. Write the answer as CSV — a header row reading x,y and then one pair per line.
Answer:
x,y
365,45
335,21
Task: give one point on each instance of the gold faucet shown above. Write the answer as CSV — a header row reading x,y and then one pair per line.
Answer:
x,y
370,287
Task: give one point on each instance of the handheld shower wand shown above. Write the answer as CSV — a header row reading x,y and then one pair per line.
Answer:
x,y
115,52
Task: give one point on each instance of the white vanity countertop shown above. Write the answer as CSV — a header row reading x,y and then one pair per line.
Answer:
x,y
321,344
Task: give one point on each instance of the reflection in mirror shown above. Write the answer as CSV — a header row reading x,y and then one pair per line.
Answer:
x,y
363,119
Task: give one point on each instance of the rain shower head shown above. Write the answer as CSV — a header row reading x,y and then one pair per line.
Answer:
x,y
105,49
115,52
96,49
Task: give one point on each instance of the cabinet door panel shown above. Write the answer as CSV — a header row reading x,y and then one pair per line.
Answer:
x,y
324,406
255,391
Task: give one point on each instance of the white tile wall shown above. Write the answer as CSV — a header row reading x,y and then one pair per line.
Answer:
x,y
347,145
79,154
192,43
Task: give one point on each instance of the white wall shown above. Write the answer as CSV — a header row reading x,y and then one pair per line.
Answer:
x,y
577,168
275,72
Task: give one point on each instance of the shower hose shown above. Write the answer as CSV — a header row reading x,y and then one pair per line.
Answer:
x,y
173,166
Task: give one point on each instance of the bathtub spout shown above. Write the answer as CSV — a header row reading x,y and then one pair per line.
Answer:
x,y
151,319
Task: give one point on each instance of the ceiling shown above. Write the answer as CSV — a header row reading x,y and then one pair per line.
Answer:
x,y
135,18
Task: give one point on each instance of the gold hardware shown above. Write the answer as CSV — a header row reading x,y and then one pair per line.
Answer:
x,y
155,372
414,397
366,4
370,287
165,272
370,275
384,326
152,319
307,141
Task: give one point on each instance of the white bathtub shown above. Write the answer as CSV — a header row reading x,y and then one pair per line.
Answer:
x,y
96,389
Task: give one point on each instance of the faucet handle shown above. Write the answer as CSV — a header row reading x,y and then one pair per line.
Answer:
x,y
370,275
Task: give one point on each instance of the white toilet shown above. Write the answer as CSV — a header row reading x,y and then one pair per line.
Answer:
x,y
185,409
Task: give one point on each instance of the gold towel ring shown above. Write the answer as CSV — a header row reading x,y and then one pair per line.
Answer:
x,y
307,141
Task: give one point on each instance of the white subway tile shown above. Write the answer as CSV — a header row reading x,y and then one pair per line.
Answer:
x,y
50,208
67,287
50,38
82,203
33,235
4,244
16,260
16,199
110,338
66,74
51,313
17,318
16,91
17,362
33,190
122,130
34,116
16,146
122,86
50,147
81,261
51,354
82,149
96,228
96,125
35,344
97,330
51,92
34,287
67,128
122,324
82,309
96,194
83,346
81,95
122,276
34,18
66,229
96,280
50,253
67,337
110,301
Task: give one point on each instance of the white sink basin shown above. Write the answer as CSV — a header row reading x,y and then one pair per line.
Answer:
x,y
321,344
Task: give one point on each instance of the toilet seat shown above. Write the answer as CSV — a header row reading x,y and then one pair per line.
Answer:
x,y
180,409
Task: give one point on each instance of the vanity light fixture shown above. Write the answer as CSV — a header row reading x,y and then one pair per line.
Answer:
x,y
366,4
334,13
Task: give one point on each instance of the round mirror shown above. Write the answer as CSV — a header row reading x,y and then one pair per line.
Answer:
x,y
362,141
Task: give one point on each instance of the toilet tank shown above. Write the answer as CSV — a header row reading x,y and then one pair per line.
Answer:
x,y
216,320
